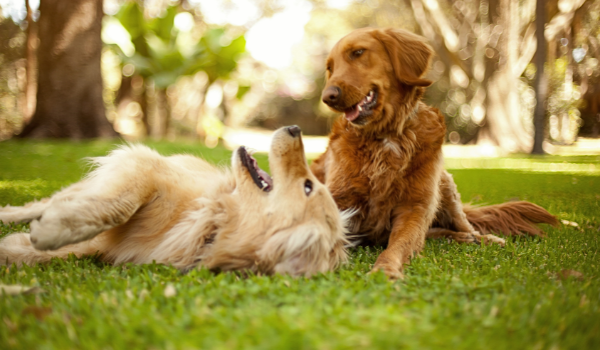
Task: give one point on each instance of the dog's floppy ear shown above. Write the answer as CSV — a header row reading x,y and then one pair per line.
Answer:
x,y
408,53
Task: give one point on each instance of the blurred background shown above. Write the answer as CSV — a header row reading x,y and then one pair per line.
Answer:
x,y
212,70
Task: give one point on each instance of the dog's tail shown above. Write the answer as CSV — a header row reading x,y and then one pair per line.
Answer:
x,y
512,218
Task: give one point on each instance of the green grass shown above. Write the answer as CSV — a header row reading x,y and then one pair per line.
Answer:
x,y
453,296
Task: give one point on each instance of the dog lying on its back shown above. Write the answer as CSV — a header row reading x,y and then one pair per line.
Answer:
x,y
139,207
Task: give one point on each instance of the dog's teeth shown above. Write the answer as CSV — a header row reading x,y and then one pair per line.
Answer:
x,y
359,108
263,183
370,96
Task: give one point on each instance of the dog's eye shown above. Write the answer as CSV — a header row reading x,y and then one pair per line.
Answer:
x,y
357,53
308,185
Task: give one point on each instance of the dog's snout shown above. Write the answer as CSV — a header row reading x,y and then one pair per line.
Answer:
x,y
331,95
294,130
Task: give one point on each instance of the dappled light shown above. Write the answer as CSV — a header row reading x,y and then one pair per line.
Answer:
x,y
198,68
454,149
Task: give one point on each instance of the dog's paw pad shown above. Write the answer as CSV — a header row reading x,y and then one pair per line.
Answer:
x,y
48,235
391,273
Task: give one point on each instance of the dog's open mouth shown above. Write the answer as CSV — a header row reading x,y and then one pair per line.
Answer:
x,y
363,108
260,177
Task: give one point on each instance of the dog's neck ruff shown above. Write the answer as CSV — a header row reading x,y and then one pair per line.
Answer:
x,y
400,117
414,112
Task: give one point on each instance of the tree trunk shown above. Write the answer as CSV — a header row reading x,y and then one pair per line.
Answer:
x,y
540,84
69,97
163,116
145,108
504,125
496,97
31,65
503,122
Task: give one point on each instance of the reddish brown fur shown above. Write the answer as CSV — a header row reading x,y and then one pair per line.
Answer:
x,y
388,166
512,218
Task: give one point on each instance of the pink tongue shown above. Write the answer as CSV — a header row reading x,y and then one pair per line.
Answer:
x,y
265,176
351,113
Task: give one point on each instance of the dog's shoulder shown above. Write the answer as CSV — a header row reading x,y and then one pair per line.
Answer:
x,y
430,127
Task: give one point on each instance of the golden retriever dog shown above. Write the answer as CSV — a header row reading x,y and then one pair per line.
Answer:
x,y
138,206
384,157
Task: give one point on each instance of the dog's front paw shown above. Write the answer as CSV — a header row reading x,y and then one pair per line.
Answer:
x,y
45,236
392,273
52,232
65,223
491,239
467,237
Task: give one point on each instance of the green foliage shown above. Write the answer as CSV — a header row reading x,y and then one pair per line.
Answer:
x,y
160,55
558,101
222,59
454,296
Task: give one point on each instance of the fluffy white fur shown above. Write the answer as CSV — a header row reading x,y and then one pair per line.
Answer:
x,y
138,206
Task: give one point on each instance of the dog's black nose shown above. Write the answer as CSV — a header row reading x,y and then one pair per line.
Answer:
x,y
331,95
294,130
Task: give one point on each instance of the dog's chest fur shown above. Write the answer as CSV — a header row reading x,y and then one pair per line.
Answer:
x,y
371,174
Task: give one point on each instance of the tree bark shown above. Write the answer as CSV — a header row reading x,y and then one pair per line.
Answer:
x,y
163,116
504,124
540,84
31,65
69,96
145,108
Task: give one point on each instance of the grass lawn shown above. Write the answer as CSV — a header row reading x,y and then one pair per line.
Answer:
x,y
532,294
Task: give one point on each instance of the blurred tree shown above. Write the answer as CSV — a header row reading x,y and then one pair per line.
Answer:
x,y
489,44
480,41
568,34
31,65
587,67
162,55
12,42
69,96
540,84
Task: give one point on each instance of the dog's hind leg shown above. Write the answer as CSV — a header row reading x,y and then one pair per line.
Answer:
x,y
107,198
25,213
17,248
451,221
34,210
464,237
451,213
83,214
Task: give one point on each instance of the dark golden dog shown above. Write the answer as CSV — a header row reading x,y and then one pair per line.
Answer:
x,y
384,157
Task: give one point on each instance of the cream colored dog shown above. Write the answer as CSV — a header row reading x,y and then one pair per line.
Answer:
x,y
138,206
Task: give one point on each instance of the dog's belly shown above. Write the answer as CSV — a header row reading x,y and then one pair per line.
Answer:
x,y
175,195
